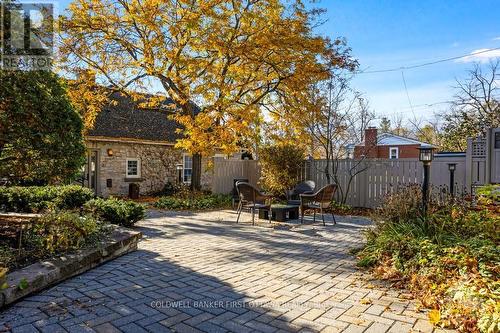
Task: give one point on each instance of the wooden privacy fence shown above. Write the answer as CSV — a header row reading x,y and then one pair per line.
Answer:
x,y
478,165
375,179
367,188
384,176
226,170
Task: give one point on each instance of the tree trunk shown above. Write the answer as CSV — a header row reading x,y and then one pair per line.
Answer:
x,y
327,171
196,173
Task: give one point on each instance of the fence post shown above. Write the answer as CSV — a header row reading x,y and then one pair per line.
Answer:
x,y
489,155
308,171
468,165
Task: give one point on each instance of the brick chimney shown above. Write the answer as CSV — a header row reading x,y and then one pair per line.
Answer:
x,y
371,142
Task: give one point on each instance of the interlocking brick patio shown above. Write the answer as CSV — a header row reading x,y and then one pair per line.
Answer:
x,y
199,272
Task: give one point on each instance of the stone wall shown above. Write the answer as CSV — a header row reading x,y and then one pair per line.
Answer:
x,y
157,162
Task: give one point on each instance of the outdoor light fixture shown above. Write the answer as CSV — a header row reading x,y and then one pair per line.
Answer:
x,y
452,167
178,167
426,155
110,152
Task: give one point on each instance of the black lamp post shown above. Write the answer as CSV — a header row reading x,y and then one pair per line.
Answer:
x,y
426,155
452,167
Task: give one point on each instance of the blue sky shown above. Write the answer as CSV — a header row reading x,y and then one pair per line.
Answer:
x,y
389,34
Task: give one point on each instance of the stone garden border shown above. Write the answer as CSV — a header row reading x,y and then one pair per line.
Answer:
x,y
45,273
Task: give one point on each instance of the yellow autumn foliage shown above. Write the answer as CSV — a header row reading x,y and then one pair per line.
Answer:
x,y
223,62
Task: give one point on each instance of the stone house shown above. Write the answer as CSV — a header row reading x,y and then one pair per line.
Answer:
x,y
129,145
387,145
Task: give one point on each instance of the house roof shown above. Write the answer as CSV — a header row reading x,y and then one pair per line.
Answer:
x,y
127,120
389,139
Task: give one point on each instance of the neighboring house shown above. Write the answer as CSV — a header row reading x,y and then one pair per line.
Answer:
x,y
387,145
131,145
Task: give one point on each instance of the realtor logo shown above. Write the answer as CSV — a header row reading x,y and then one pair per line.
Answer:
x,y
27,35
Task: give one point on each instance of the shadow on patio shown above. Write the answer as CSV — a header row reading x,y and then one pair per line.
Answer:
x,y
143,290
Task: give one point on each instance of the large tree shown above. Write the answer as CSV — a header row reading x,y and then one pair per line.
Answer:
x,y
328,117
221,61
475,108
40,133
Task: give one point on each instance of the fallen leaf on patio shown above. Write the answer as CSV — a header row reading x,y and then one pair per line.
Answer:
x,y
434,316
365,301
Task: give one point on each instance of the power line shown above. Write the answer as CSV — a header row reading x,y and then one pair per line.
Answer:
x,y
416,106
407,94
426,63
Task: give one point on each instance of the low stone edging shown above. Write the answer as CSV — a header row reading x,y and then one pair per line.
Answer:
x,y
45,273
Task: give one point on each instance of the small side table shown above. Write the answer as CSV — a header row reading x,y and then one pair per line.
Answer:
x,y
280,213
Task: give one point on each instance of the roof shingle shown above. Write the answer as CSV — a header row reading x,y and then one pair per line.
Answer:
x,y
127,120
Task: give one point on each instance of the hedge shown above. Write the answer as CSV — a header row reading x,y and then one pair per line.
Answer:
x,y
200,202
116,211
34,199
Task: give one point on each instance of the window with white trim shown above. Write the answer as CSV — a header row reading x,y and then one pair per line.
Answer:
x,y
393,153
187,168
133,168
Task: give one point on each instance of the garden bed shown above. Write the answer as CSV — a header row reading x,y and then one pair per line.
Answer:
x,y
449,259
40,275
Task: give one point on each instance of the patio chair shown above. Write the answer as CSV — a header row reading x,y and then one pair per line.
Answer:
x,y
253,199
306,187
235,196
319,200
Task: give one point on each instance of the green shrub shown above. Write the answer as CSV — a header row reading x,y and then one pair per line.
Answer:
x,y
194,202
61,231
72,196
281,167
116,211
39,198
489,194
449,259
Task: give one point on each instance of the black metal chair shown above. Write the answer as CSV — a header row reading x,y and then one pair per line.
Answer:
x,y
306,187
253,199
318,201
235,196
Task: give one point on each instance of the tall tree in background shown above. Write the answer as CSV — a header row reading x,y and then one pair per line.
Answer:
x,y
329,117
476,106
360,120
396,125
40,133
221,61
385,125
